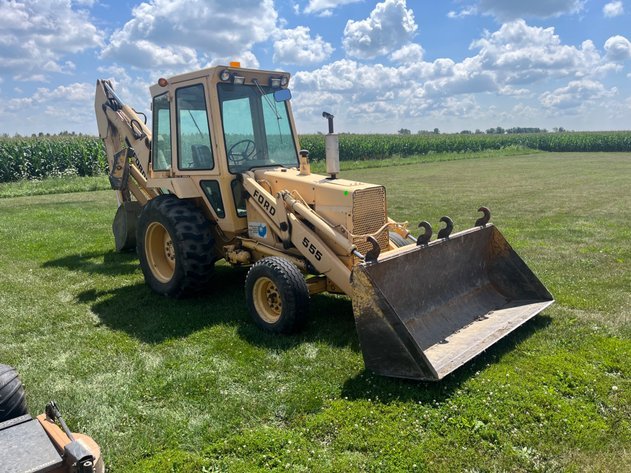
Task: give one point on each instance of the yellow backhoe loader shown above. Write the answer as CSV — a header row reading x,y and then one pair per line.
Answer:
x,y
220,174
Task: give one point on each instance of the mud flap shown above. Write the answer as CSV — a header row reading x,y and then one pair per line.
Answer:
x,y
124,225
423,311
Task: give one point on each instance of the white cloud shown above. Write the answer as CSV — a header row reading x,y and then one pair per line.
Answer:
x,y
463,13
349,76
408,54
246,59
30,78
618,48
521,54
389,26
296,46
315,6
182,34
383,95
78,92
516,62
42,111
35,36
613,9
462,107
576,95
506,10
145,54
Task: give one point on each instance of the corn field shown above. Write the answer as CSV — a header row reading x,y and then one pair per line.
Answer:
x,y
362,147
40,157
37,158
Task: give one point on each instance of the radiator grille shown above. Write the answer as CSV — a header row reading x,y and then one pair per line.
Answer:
x,y
369,215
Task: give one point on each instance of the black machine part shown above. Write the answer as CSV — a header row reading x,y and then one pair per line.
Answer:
x,y
78,457
52,413
12,398
25,447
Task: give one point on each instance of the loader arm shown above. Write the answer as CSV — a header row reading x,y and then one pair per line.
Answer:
x,y
127,144
296,225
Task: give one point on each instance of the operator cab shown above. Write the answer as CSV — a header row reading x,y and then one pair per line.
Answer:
x,y
212,125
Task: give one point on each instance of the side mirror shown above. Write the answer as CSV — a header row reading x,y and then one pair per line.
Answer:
x,y
282,95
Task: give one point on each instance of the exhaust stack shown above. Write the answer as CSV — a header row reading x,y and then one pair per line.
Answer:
x,y
332,147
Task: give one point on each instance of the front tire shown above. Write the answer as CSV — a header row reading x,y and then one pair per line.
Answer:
x,y
12,398
277,295
175,246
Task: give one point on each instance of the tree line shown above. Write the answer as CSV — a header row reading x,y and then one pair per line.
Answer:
x,y
490,131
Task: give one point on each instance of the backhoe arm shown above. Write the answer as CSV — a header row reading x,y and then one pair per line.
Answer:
x,y
127,144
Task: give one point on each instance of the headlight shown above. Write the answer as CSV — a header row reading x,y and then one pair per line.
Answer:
x,y
238,79
224,75
274,82
283,81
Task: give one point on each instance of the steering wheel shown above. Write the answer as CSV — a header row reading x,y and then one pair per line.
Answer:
x,y
248,152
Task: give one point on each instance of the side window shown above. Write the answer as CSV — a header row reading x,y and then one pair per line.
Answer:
x,y
212,191
239,198
194,150
161,133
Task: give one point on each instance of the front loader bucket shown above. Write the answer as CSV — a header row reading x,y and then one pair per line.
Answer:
x,y
423,311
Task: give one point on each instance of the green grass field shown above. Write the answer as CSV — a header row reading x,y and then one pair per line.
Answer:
x,y
193,386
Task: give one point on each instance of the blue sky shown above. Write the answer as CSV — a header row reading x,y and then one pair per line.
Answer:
x,y
377,66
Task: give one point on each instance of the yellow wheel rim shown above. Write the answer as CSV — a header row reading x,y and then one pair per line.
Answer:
x,y
160,252
267,300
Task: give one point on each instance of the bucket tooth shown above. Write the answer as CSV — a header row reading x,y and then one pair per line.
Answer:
x,y
446,231
482,221
423,239
423,311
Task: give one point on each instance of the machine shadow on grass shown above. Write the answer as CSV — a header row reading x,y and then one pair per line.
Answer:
x,y
367,385
152,318
110,263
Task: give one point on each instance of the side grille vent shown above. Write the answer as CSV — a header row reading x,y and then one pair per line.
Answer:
x,y
369,215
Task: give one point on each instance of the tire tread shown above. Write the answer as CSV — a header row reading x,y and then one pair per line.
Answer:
x,y
292,285
193,232
12,396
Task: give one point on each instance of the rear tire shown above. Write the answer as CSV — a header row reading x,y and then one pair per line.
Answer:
x,y
398,240
277,295
175,246
12,398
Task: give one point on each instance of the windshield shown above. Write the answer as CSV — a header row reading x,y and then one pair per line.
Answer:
x,y
256,128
